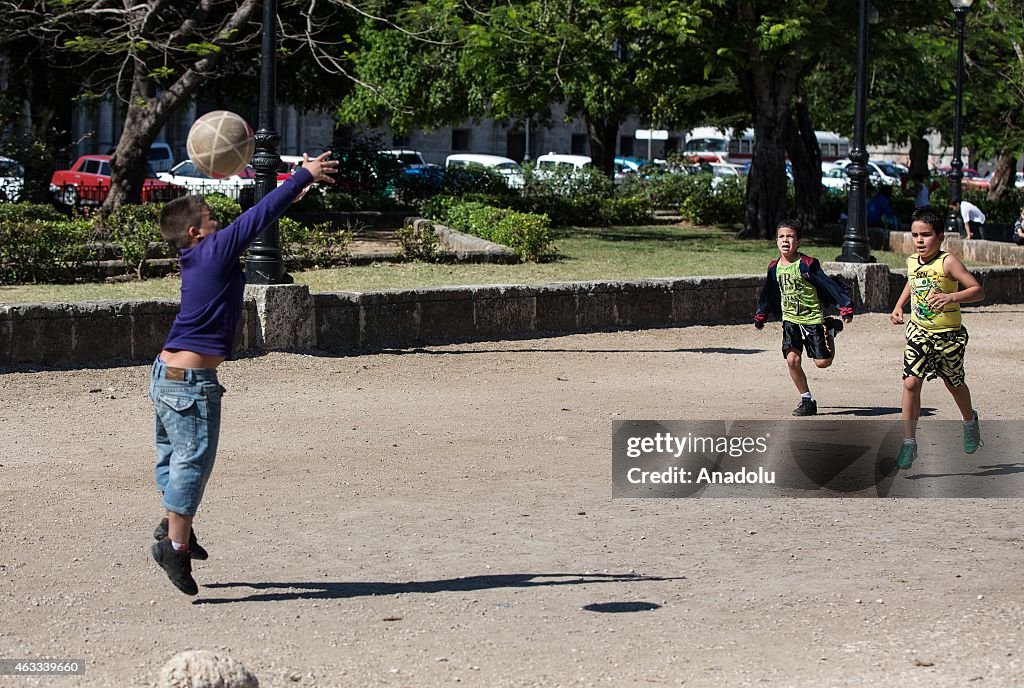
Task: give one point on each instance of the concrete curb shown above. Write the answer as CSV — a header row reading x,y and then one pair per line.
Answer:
x,y
288,317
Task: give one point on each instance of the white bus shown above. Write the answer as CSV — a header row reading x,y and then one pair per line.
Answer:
x,y
713,144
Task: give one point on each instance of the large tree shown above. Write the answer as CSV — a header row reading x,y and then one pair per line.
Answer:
x,y
994,121
509,60
157,55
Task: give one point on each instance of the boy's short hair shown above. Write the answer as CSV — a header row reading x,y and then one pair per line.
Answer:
x,y
795,225
177,216
931,217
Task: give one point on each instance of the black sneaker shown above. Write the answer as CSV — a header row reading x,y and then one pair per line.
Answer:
x,y
194,548
177,566
807,407
833,325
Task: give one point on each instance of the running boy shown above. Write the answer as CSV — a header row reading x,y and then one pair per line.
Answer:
x,y
796,289
183,385
937,283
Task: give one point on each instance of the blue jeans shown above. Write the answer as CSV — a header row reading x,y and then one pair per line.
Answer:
x,y
186,402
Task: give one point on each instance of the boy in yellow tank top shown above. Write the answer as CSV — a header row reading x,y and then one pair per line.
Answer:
x,y
937,283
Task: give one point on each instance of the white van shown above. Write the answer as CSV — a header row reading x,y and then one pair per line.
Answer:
x,y
161,157
508,168
557,161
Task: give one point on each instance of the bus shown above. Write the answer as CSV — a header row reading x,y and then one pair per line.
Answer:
x,y
713,144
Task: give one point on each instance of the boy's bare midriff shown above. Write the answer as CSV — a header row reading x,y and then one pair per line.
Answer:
x,y
190,359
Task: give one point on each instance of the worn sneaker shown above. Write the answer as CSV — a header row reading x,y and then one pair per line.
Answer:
x,y
908,454
177,566
194,548
807,407
972,435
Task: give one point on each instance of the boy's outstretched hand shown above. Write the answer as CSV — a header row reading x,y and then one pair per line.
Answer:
x,y
320,167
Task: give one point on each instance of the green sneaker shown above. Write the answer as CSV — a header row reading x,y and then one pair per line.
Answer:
x,y
908,453
972,435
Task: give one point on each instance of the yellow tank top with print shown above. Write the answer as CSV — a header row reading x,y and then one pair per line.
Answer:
x,y
925,279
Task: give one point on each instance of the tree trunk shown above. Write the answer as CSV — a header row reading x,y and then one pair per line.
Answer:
x,y
148,111
919,153
805,154
769,90
602,134
1003,177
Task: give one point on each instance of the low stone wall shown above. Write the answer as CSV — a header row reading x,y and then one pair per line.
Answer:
x,y
991,252
346,321
288,317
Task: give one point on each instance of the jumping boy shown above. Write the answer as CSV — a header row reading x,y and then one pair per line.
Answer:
x,y
937,283
796,289
183,385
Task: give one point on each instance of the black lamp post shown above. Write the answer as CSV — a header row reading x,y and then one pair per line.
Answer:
x,y
265,264
856,248
956,174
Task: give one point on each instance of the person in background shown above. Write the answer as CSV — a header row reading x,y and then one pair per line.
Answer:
x,y
921,194
1018,229
974,221
879,210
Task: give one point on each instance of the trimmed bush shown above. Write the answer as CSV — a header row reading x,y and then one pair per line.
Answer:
x,y
34,251
528,234
418,241
317,246
225,209
133,228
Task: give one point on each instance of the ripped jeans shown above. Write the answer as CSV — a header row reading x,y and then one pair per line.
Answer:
x,y
186,402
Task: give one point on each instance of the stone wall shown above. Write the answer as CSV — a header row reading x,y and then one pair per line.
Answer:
x,y
288,317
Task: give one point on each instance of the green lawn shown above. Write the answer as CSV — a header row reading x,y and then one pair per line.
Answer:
x,y
615,253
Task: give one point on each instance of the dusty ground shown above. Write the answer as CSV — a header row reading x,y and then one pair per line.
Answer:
x,y
442,516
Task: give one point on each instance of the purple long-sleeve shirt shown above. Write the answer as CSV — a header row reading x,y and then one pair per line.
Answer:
x,y
212,281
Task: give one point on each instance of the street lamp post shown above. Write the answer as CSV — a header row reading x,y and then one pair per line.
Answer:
x,y
856,248
265,264
956,174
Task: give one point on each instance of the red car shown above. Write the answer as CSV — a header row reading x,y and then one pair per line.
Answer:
x,y
88,183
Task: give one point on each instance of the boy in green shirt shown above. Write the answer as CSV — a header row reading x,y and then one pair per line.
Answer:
x,y
796,290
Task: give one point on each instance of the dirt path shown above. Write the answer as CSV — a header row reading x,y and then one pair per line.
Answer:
x,y
441,516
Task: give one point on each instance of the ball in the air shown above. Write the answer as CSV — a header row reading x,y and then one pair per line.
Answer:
x,y
220,144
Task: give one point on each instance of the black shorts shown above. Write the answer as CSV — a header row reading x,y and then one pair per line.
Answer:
x,y
813,338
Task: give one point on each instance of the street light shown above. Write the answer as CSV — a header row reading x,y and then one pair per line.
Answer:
x,y
856,248
265,265
956,174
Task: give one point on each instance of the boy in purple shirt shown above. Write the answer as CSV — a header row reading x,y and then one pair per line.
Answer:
x,y
183,383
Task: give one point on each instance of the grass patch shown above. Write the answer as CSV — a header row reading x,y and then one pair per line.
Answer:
x,y
611,253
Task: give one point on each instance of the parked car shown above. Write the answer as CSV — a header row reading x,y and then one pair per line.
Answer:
x,y
552,162
186,174
879,173
287,166
12,180
627,165
411,161
835,179
508,168
406,157
160,156
88,183
972,178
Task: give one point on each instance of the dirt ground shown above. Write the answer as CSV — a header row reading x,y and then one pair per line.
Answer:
x,y
443,516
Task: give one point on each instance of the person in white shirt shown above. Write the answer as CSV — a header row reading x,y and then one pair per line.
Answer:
x,y
974,220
